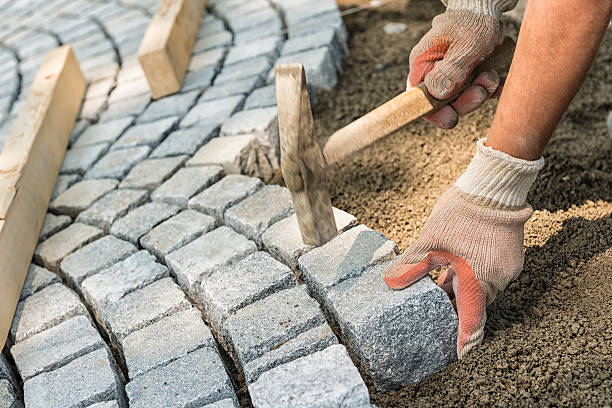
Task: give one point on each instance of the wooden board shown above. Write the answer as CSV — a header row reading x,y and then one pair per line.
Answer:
x,y
386,5
29,165
166,47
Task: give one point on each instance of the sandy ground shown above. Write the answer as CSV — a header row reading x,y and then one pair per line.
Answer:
x,y
548,339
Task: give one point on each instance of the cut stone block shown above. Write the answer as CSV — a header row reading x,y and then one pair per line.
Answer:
x,y
37,278
399,336
186,183
129,89
295,14
313,25
92,107
64,181
210,25
80,159
226,403
320,67
255,214
232,287
111,284
100,87
149,134
150,173
52,224
141,220
213,112
196,379
8,398
199,80
261,122
228,152
327,378
55,347
325,38
175,105
112,206
344,257
207,253
107,404
59,304
215,40
258,17
240,87
267,47
50,252
185,141
224,194
169,339
261,98
81,195
126,108
94,257
84,381
117,163
212,58
256,66
106,132
284,241
144,307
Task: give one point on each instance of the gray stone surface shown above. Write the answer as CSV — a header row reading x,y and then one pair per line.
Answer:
x,y
313,25
232,287
129,89
230,152
86,380
167,340
327,378
327,37
37,278
8,399
150,173
141,220
226,403
211,58
92,107
81,195
144,307
56,347
261,122
239,87
52,224
610,124
64,181
212,112
50,252
6,370
59,304
112,206
174,105
205,254
268,47
186,183
224,194
149,134
216,40
106,132
117,163
268,29
198,79
196,379
126,108
256,66
80,159
185,141
399,336
320,67
264,97
94,257
255,214
107,404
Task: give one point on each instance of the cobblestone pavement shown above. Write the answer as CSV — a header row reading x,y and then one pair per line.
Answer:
x,y
166,274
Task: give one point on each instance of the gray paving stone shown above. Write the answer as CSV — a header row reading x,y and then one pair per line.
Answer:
x,y
146,134
226,403
6,370
319,65
256,18
113,205
610,124
267,47
211,58
213,40
199,79
117,163
186,183
80,159
126,108
324,38
100,87
129,89
239,87
151,173
255,214
52,224
295,13
261,98
327,378
212,112
174,105
86,380
261,122
126,276
8,399
130,70
210,25
56,347
64,181
205,254
230,152
169,339
79,127
94,257
313,25
255,66
37,278
224,194
268,29
392,353
196,379
107,404
232,287
141,220
81,195
185,141
59,304
92,107
50,252
106,132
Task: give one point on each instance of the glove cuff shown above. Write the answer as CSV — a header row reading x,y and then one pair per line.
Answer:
x,y
493,8
497,176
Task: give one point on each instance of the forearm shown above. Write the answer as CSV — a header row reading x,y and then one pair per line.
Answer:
x,y
556,46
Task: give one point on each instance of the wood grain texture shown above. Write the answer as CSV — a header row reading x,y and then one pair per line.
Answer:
x,y
29,165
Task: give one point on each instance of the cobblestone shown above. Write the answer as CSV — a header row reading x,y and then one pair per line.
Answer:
x,y
81,195
151,173
174,105
219,39
212,58
8,398
52,224
325,38
229,152
103,132
140,220
126,108
226,403
186,183
239,87
116,164
267,47
37,278
261,98
112,206
50,252
63,183
80,159
198,79
212,112
319,66
185,141
261,122
146,134
256,66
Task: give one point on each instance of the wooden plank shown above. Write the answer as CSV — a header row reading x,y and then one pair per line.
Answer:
x,y
29,165
383,5
165,49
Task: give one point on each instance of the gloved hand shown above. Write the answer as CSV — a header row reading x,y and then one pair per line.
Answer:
x,y
477,228
459,41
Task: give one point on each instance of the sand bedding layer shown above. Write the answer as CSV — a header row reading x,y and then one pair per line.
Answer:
x,y
548,338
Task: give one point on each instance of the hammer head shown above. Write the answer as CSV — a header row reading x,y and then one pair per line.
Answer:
x,y
302,162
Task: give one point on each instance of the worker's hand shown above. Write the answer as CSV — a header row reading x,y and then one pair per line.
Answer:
x,y
477,229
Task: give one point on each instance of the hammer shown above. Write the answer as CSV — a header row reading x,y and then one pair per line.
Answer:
x,y
303,160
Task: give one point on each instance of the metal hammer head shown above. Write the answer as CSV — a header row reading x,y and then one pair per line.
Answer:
x,y
302,161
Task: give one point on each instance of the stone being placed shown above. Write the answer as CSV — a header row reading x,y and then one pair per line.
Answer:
x,y
204,255
117,163
80,159
194,380
64,181
146,134
186,183
255,214
253,67
224,194
327,37
59,304
398,336
89,379
264,97
212,112
174,105
52,224
319,65
81,195
241,87
51,251
150,173
327,378
333,19
129,89
141,220
112,206
37,278
185,141
199,79
231,153
106,132
261,122
55,347
267,47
